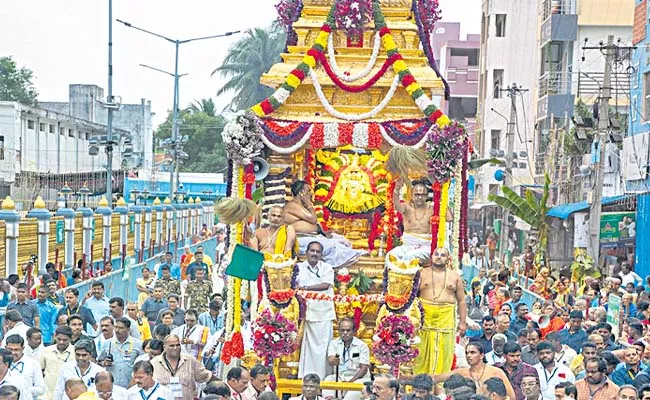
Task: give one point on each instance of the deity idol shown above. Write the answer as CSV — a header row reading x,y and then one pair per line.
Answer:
x,y
401,282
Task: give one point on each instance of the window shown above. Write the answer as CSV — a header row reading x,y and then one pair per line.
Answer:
x,y
462,107
495,139
635,106
471,54
61,130
646,95
2,147
51,128
30,124
70,132
87,135
41,127
494,189
500,22
497,79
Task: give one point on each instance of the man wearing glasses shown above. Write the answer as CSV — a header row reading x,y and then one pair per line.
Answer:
x,y
385,387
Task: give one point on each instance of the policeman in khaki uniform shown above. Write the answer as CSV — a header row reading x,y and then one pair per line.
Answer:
x,y
169,284
352,357
199,291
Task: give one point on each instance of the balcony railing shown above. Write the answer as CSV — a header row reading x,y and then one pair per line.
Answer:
x,y
550,7
554,83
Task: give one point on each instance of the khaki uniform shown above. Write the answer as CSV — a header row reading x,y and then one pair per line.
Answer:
x,y
199,294
169,286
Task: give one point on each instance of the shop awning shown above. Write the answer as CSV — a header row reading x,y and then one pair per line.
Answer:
x,y
478,206
563,211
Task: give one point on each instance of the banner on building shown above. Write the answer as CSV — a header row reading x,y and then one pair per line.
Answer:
x,y
581,229
618,227
635,156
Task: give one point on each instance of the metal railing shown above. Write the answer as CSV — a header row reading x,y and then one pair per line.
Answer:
x,y
550,7
554,83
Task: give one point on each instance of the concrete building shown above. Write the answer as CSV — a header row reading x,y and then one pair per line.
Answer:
x,y
42,150
570,76
459,64
85,103
508,35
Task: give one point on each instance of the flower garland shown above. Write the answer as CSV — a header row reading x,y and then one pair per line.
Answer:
x,y
344,76
435,215
426,14
352,16
356,88
288,12
360,135
363,298
444,203
390,220
394,341
445,149
242,138
353,117
411,297
457,248
464,197
274,336
310,161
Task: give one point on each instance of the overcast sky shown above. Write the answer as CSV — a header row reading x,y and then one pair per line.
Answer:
x,y
65,42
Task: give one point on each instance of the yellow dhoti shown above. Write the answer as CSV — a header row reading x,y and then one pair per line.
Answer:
x,y
437,338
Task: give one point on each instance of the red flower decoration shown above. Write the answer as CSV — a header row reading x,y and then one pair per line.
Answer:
x,y
281,296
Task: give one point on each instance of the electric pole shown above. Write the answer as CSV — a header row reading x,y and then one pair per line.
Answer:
x,y
513,91
109,105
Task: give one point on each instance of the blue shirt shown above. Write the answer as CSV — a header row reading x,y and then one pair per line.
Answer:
x,y
191,269
214,325
573,340
98,307
174,270
623,376
48,313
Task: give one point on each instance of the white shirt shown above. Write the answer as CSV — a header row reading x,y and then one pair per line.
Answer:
x,y
154,393
19,329
100,340
493,359
13,379
119,393
350,359
630,277
70,370
34,353
565,356
318,310
549,380
196,334
31,371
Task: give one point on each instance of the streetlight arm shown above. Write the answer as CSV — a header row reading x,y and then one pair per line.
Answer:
x,y
500,115
129,25
156,69
210,37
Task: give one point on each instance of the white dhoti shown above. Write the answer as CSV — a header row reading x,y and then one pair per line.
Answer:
x,y
337,251
413,246
313,351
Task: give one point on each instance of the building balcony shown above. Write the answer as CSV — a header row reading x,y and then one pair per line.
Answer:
x,y
560,22
554,95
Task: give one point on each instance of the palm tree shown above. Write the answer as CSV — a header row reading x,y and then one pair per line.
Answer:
x,y
529,209
205,106
249,58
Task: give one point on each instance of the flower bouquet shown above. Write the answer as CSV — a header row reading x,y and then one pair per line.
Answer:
x,y
445,148
242,138
274,336
352,16
394,339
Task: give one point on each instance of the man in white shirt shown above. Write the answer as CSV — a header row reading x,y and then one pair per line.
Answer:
x,y
15,326
496,356
54,356
106,389
316,276
81,368
34,346
564,354
25,366
145,386
310,388
550,373
629,276
9,378
193,336
107,331
350,358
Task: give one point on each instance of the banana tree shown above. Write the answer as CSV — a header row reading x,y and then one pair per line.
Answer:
x,y
529,209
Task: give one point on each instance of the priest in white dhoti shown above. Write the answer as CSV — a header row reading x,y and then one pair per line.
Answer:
x,y
316,276
193,336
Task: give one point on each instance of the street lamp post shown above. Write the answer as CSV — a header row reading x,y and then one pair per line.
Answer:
x,y
177,44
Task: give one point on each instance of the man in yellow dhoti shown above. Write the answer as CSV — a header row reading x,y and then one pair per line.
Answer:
x,y
442,294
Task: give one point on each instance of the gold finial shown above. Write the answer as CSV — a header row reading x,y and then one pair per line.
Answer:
x,y
103,202
121,202
167,201
39,204
156,201
191,201
197,200
8,204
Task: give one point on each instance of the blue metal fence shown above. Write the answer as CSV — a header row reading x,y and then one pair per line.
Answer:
x,y
470,272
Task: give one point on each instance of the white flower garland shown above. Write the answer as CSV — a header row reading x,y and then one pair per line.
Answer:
x,y
390,140
288,150
455,235
352,117
359,75
360,136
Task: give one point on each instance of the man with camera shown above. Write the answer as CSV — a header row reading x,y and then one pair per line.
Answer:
x,y
350,358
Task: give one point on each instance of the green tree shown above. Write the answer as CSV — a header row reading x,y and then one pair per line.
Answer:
x,y
531,209
204,146
205,106
246,61
16,83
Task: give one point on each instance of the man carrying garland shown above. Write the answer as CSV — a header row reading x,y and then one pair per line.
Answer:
x,y
442,294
